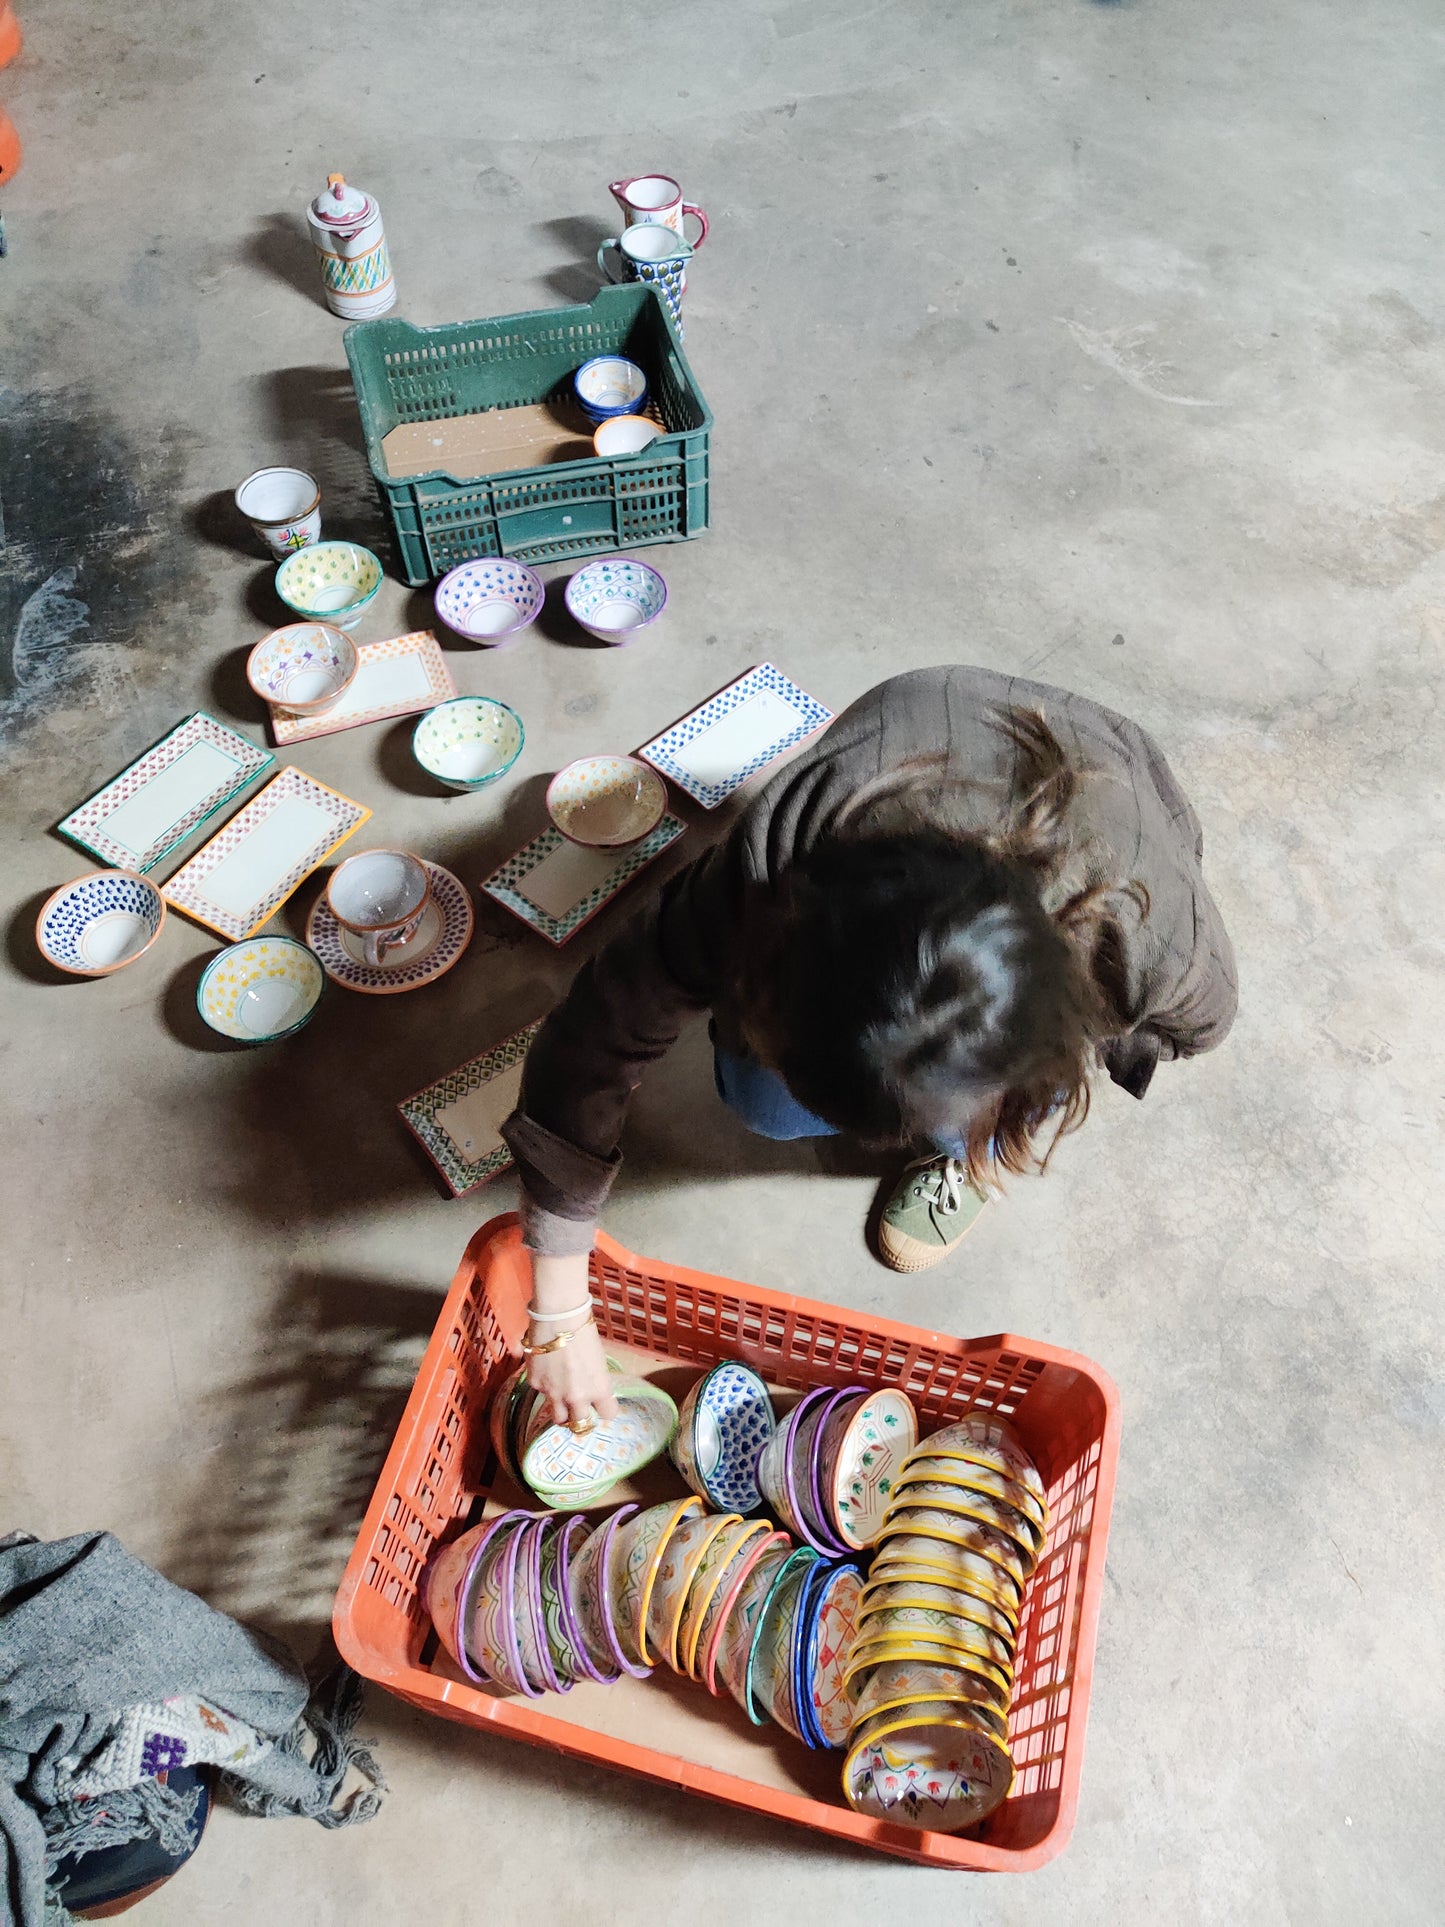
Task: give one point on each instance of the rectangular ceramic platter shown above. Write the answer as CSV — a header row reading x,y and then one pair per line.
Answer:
x,y
393,678
458,1119
248,869
733,735
154,805
556,886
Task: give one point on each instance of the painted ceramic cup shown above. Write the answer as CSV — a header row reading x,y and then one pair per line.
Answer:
x,y
654,255
656,199
381,897
283,506
716,1618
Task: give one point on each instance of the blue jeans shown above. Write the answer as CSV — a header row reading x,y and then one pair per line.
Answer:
x,y
762,1100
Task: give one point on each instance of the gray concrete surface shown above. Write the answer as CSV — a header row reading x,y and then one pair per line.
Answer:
x,y
1097,341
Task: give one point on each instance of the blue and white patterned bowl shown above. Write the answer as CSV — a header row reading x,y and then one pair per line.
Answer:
x,y
260,990
615,598
100,923
608,385
468,742
724,1423
489,599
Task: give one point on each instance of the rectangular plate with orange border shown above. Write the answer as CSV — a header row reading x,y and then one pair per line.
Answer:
x,y
393,678
234,883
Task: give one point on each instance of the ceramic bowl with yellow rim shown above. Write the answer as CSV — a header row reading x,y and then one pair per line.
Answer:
x,y
865,1654
305,667
959,1503
468,742
261,990
942,1476
683,1554
882,1594
909,1555
718,1620
632,1570
986,1440
959,1529
910,1682
606,802
100,923
939,1773
331,582
928,1622
720,1563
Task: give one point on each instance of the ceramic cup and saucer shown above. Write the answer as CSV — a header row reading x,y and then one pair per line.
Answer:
x,y
388,921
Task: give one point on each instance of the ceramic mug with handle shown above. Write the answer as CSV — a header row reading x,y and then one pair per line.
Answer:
x,y
656,200
380,897
654,254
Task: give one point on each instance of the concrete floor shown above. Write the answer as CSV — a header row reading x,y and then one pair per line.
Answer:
x,y
1101,342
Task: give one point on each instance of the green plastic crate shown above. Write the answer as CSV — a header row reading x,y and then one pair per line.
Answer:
x,y
407,374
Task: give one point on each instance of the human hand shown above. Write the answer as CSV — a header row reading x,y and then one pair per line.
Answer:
x,y
574,1381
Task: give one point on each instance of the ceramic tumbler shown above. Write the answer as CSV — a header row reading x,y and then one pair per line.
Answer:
x,y
381,897
655,200
351,251
650,253
283,506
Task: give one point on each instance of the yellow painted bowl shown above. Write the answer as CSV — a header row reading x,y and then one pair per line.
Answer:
x,y
260,990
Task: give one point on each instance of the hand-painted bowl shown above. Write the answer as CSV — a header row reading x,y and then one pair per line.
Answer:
x,y
99,923
740,1623
965,1565
880,1594
862,1446
591,1596
871,1651
605,802
261,990
774,1462
537,1668
730,1591
825,1710
958,1630
940,1476
955,1528
721,1563
907,1682
331,582
722,1426
450,1582
769,1656
614,598
557,1462
624,435
988,1441
808,1478
941,1774
468,742
685,1551
511,1389
489,599
641,1544
608,386
564,1636
976,1508
489,1615
305,667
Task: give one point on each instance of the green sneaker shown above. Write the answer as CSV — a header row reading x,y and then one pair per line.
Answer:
x,y
932,1206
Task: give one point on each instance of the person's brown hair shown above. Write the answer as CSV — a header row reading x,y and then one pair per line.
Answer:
x,y
907,981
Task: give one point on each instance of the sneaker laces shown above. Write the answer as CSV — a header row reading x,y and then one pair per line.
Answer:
x,y
941,1183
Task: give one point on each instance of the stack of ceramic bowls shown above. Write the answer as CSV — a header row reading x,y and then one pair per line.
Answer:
x,y
829,1469
566,1469
799,1645
722,1427
501,1599
930,1672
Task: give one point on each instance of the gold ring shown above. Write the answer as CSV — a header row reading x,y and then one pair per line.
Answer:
x,y
582,1426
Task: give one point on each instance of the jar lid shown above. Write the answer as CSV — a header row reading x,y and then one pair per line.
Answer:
x,y
342,206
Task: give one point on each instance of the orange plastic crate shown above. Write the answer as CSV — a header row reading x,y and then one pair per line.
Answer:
x,y
437,1471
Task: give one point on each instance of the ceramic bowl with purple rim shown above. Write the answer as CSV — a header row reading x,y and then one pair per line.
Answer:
x,y
615,597
794,1470
774,1461
503,1525
585,1592
505,1652
537,1668
811,1452
489,599
571,1529
447,1581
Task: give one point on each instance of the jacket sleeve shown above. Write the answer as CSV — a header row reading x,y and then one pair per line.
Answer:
x,y
1189,1004
623,1011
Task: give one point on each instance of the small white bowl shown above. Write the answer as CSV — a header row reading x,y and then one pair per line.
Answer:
x,y
625,435
468,742
489,599
606,801
330,582
260,990
614,598
100,923
304,668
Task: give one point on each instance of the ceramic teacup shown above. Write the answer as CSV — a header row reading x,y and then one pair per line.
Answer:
x,y
381,897
283,506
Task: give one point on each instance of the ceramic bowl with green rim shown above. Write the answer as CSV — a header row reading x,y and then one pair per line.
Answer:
x,y
468,742
261,990
773,1630
330,582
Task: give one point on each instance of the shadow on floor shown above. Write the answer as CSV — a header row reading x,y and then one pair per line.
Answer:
x,y
313,422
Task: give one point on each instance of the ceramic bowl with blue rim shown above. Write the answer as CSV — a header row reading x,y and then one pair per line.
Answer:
x,y
304,667
490,599
468,742
614,598
724,1423
330,582
99,923
261,990
609,385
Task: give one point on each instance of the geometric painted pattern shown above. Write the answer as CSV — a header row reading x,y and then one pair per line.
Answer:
x,y
449,914
274,883
86,825
505,884
288,728
418,1113
663,750
361,274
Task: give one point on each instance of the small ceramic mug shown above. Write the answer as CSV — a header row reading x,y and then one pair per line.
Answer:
x,y
283,506
650,253
654,200
381,897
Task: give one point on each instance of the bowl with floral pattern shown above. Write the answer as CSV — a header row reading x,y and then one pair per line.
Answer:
x,y
331,582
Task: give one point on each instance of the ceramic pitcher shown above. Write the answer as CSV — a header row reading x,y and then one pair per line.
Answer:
x,y
656,199
351,251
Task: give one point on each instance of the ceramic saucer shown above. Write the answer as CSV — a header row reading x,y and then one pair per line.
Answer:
x,y
443,935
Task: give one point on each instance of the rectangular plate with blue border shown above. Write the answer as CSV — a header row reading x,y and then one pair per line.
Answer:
x,y
715,749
